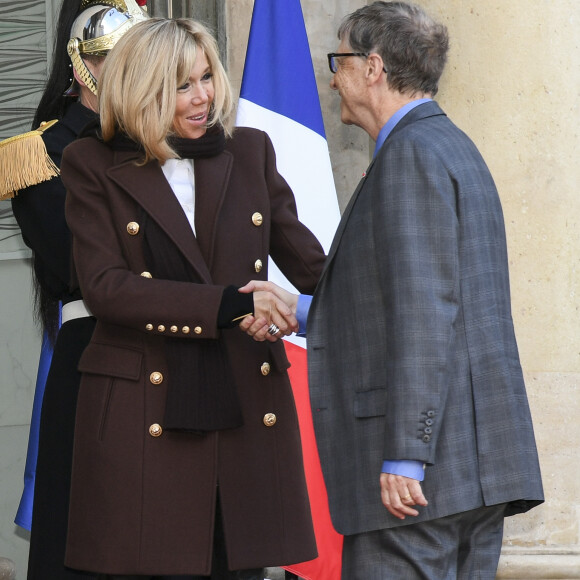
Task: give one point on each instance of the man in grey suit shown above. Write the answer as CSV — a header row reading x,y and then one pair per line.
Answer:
x,y
417,392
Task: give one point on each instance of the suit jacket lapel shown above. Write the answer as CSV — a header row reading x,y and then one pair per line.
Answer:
x,y
149,188
344,221
428,109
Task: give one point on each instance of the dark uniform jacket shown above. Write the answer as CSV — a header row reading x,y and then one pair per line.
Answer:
x,y
143,499
39,210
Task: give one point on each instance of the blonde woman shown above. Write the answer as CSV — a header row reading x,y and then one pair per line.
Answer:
x,y
187,452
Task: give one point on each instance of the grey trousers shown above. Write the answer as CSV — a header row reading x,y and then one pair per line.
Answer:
x,y
463,546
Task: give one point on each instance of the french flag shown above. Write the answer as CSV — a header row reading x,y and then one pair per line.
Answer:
x,y
279,96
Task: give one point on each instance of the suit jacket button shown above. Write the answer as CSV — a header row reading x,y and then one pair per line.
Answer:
x,y
269,419
197,330
258,265
161,328
155,430
428,430
146,274
174,328
257,219
426,438
149,327
430,413
156,378
265,368
185,330
133,228
428,422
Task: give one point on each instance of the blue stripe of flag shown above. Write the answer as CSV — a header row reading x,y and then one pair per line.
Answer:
x,y
278,73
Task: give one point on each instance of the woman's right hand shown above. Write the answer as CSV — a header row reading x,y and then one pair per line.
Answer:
x,y
272,305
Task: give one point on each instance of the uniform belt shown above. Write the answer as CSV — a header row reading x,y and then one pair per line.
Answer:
x,y
72,310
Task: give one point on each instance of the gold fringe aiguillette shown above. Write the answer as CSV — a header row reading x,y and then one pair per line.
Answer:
x,y
24,161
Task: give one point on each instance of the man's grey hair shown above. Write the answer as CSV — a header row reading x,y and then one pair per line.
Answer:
x,y
412,45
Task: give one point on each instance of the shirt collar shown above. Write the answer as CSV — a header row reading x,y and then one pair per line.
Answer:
x,y
392,122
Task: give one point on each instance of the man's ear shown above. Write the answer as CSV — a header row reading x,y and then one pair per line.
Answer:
x,y
375,67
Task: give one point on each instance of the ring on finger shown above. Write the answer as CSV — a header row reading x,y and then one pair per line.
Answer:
x,y
273,329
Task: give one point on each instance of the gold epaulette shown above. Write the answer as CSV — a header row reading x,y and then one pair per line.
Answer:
x,y
24,161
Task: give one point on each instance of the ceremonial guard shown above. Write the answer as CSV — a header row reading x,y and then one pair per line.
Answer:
x,y
30,163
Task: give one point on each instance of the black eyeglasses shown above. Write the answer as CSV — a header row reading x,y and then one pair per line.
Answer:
x,y
332,65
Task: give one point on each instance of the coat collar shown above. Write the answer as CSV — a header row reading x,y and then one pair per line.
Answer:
x,y
148,187
77,117
429,109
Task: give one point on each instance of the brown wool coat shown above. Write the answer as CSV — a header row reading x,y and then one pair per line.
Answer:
x,y
142,504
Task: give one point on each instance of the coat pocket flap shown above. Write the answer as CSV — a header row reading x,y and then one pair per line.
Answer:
x,y
370,403
112,361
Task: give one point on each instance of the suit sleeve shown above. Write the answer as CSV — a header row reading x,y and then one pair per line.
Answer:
x,y
293,247
416,228
113,292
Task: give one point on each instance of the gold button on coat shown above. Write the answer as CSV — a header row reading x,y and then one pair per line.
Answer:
x,y
265,368
146,274
258,265
185,330
156,378
149,327
257,219
133,228
197,330
269,419
174,328
155,430
161,328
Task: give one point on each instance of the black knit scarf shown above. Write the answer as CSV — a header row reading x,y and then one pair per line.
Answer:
x,y
210,144
202,394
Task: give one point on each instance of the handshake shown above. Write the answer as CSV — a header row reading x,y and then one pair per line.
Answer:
x,y
274,312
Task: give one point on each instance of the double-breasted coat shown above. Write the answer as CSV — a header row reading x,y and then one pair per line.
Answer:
x,y
411,347
143,499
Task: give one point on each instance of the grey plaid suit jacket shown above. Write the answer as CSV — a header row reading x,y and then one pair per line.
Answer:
x,y
411,345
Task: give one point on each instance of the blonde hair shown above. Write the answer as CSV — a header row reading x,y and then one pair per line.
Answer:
x,y
140,78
